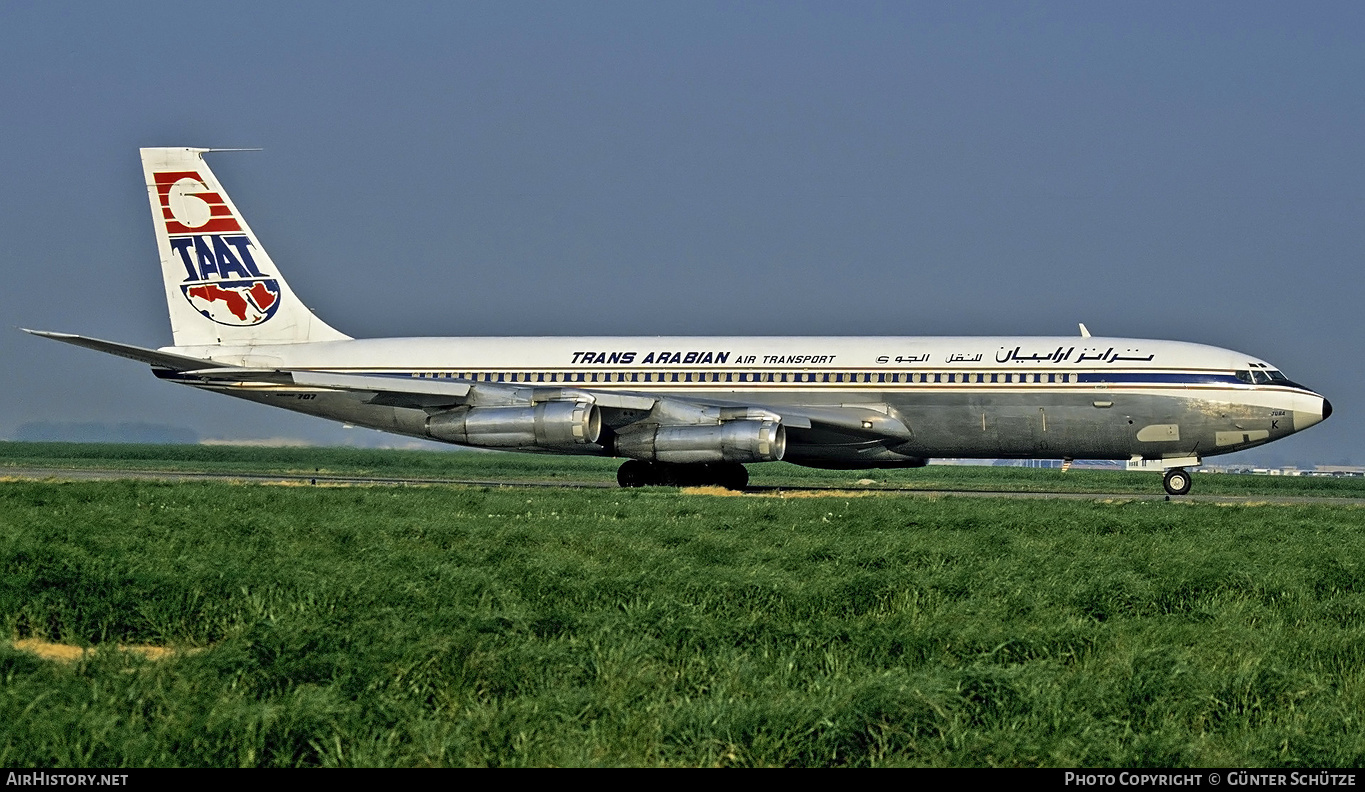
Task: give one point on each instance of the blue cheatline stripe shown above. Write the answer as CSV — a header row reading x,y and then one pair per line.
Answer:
x,y
1154,376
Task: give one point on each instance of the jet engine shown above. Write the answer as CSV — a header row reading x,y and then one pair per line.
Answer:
x,y
552,426
732,441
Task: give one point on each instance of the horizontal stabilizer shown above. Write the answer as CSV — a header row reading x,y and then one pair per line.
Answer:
x,y
151,357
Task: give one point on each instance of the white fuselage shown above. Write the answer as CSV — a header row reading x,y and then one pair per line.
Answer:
x,y
961,396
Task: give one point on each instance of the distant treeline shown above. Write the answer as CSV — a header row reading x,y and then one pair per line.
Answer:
x,y
98,432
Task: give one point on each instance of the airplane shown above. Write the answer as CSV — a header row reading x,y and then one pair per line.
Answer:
x,y
693,410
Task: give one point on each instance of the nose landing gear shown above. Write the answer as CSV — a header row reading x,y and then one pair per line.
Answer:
x,y
1177,481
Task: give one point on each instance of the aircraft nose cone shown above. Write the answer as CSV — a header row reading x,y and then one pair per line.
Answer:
x,y
1310,409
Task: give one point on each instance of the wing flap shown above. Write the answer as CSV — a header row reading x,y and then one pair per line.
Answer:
x,y
389,391
457,389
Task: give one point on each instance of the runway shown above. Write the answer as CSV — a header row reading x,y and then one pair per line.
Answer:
x,y
304,479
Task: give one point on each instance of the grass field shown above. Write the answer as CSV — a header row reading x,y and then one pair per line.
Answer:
x,y
450,625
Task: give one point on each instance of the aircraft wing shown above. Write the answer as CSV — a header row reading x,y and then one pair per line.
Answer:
x,y
808,424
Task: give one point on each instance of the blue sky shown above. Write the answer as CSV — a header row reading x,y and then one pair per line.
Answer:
x,y
1167,170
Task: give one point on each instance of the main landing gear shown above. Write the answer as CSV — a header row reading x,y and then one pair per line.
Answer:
x,y
1177,481
638,473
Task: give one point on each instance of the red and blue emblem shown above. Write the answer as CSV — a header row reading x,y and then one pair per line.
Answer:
x,y
222,279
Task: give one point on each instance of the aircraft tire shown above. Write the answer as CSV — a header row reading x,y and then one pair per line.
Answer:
x,y
732,476
1177,481
639,473
635,473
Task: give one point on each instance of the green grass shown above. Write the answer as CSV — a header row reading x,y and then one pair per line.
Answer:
x,y
505,626
339,461
493,466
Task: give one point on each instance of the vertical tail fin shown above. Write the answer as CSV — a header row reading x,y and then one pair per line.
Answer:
x,y
221,286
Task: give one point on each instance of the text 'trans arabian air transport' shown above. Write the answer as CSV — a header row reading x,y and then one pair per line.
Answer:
x,y
693,410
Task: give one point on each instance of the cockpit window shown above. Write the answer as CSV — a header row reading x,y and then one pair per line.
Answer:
x,y
1276,376
1244,376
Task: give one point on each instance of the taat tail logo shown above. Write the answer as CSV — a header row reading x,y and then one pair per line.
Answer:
x,y
222,279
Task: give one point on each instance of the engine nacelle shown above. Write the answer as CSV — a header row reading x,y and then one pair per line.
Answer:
x,y
556,425
732,441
